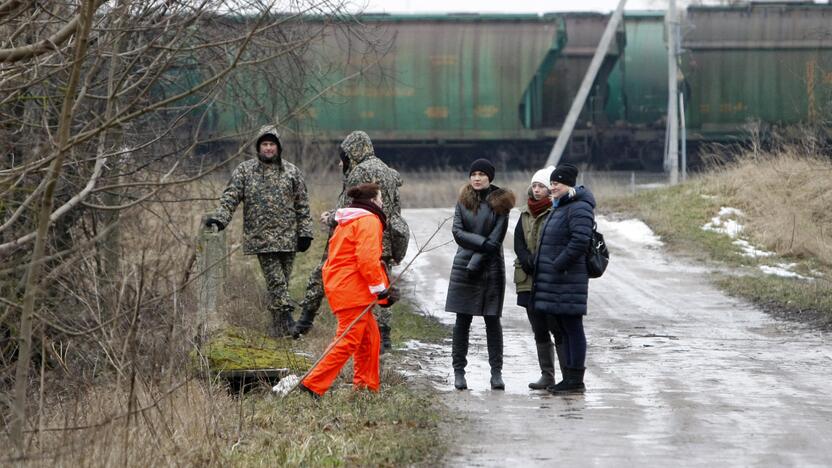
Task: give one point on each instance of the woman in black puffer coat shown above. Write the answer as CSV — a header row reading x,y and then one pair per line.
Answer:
x,y
560,277
478,276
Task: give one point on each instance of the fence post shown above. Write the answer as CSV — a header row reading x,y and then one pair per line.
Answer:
x,y
212,266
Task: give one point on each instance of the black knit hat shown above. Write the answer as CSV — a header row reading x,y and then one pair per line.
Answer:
x,y
565,174
483,165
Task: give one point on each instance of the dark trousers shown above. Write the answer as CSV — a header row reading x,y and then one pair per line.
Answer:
x,y
541,329
493,336
571,328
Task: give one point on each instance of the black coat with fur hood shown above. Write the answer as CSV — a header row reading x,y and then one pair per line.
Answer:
x,y
478,276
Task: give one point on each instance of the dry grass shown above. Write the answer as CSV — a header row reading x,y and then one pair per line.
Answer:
x,y
101,406
188,424
786,198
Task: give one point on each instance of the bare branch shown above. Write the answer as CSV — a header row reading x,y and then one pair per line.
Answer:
x,y
51,43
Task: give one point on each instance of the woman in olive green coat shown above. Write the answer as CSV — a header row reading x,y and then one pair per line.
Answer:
x,y
526,236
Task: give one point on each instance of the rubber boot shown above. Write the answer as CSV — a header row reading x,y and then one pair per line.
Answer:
x,y
386,344
494,338
497,380
572,383
304,323
546,359
459,355
459,380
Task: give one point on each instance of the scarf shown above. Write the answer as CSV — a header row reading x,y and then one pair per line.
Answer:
x,y
372,208
536,207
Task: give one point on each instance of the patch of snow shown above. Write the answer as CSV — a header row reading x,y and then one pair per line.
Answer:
x,y
724,224
653,185
729,227
633,230
726,211
749,250
782,269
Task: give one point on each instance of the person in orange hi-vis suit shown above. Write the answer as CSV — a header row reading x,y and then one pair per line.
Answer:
x,y
354,278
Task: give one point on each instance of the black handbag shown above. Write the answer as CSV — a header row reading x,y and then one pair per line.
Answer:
x,y
597,255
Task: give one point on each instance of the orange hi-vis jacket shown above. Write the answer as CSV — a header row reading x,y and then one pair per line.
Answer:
x,y
353,274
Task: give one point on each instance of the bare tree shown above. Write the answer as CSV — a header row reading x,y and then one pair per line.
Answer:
x,y
106,109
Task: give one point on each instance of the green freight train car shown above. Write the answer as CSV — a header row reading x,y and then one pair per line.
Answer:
x,y
548,98
500,85
485,83
450,78
419,80
756,67
638,84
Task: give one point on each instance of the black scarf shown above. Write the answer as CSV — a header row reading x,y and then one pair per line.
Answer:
x,y
372,208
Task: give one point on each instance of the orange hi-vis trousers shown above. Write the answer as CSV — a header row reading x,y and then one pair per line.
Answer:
x,y
361,342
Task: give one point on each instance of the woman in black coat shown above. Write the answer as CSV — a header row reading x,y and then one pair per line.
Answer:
x,y
478,276
560,277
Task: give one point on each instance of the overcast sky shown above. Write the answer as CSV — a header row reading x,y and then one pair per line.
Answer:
x,y
504,6
516,6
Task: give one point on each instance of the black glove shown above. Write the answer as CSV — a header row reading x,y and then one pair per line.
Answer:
x,y
490,246
345,161
304,243
528,265
214,222
391,295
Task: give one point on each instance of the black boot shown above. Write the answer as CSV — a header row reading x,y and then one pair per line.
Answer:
x,y
282,323
459,380
497,380
572,383
304,323
386,344
494,338
546,359
459,351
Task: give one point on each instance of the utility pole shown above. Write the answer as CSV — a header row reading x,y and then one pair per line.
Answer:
x,y
672,156
684,136
580,98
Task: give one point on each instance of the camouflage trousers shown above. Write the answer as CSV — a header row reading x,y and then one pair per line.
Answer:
x,y
277,269
315,293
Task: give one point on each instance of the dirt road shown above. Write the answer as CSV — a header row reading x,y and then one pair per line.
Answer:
x,y
677,372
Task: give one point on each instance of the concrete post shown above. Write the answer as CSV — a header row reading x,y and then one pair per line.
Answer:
x,y
672,156
212,266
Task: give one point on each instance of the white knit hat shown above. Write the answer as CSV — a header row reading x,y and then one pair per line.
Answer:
x,y
542,176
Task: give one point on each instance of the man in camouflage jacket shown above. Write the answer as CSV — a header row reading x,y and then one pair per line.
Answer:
x,y
360,165
276,220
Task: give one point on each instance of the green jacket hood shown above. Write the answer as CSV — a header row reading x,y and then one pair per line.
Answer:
x,y
358,147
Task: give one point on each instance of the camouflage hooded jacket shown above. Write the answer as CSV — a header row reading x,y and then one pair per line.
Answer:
x,y
364,168
275,205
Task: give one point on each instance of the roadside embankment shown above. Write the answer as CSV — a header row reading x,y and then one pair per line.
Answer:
x,y
397,426
164,413
765,218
